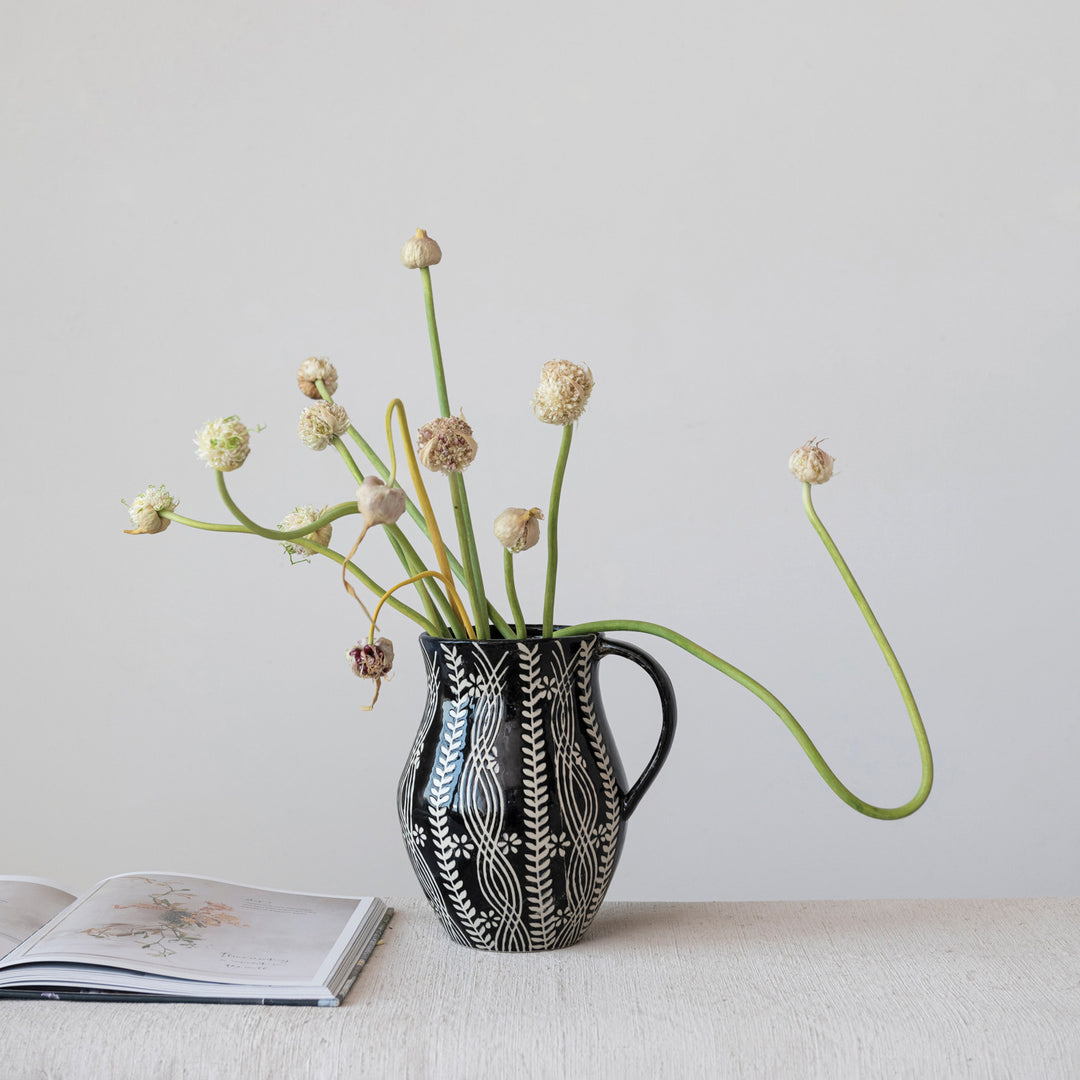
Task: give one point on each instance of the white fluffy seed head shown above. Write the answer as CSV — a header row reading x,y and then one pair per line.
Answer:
x,y
321,422
145,510
563,392
223,444
301,516
316,367
810,464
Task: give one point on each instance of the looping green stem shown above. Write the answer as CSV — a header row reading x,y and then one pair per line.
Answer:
x,y
781,710
311,545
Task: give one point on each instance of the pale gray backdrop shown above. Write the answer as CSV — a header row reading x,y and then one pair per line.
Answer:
x,y
756,222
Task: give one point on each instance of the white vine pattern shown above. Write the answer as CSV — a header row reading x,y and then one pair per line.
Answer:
x,y
533,879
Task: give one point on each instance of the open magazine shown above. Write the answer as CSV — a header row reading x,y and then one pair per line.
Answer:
x,y
160,936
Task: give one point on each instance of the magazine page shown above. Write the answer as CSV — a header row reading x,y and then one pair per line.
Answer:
x,y
197,928
26,905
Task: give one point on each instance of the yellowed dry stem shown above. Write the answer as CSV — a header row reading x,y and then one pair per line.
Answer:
x,y
425,506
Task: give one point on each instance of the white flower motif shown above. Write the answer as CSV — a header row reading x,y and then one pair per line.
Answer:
x,y
223,444
488,920
509,843
419,836
557,846
461,847
322,422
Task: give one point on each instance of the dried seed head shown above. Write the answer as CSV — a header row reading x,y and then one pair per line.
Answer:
x,y
316,367
563,392
420,251
321,422
223,444
446,445
380,505
146,507
810,463
372,662
517,529
301,516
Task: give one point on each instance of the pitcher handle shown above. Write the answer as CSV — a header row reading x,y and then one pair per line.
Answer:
x,y
667,715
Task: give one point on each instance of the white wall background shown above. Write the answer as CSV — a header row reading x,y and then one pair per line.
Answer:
x,y
757,222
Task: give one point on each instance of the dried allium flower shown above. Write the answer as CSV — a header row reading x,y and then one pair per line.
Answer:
x,y
321,422
810,463
380,505
301,516
420,251
316,367
223,444
563,392
372,661
446,445
146,507
517,529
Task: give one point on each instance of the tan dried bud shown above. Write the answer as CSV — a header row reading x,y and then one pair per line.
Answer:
x,y
563,392
810,463
317,367
446,445
420,251
380,505
517,529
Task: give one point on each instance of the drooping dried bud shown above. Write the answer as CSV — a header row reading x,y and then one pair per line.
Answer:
x,y
146,507
563,392
810,463
301,516
223,444
316,367
446,445
321,422
420,251
380,505
372,662
517,529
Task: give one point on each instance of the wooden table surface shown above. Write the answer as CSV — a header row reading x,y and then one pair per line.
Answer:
x,y
859,989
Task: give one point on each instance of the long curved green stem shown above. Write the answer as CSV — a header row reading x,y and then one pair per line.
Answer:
x,y
553,530
311,545
781,710
335,512
511,594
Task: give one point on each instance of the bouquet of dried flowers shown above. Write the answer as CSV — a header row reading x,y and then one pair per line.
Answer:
x,y
445,445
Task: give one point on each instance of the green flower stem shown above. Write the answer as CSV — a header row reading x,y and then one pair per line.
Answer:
x,y
474,580
417,515
416,565
311,545
511,594
811,751
436,350
467,541
350,461
553,530
212,525
341,510
420,583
